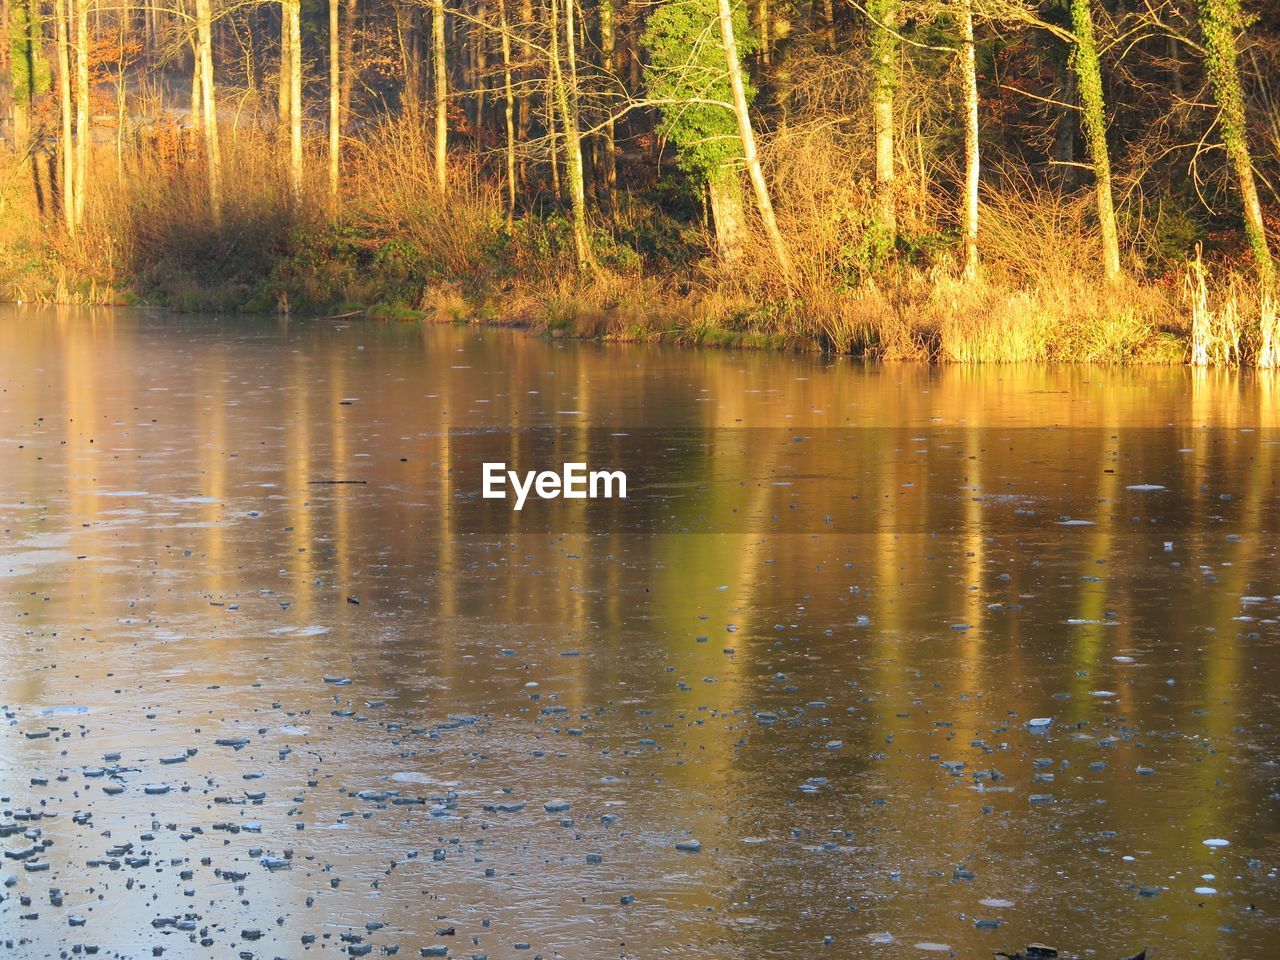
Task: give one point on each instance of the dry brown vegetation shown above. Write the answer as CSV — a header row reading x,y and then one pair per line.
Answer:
x,y
395,245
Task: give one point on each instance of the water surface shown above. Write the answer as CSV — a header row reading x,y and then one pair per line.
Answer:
x,y
828,680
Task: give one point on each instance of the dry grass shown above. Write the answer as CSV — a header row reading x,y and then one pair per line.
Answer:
x,y
1268,349
393,200
398,242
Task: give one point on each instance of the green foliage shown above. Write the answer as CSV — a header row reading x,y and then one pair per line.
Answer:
x,y
30,69
866,248
686,73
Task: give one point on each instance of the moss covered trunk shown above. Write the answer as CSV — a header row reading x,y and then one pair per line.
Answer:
x,y
1220,20
1093,108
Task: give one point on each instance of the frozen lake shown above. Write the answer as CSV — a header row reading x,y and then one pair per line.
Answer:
x,y
924,660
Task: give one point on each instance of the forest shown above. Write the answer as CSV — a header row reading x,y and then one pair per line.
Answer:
x,y
943,180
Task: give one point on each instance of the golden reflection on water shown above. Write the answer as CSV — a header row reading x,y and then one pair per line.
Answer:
x,y
164,501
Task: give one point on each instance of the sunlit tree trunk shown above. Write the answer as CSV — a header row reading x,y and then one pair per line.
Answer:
x,y
62,14
1220,21
83,108
335,107
440,89
566,92
724,191
213,151
1093,107
764,202
285,96
295,98
509,109
197,78
884,82
972,158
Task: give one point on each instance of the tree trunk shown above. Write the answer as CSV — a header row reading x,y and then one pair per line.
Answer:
x,y
762,28
1089,74
524,107
884,55
62,14
1220,21
213,152
747,135
829,25
82,108
607,168
440,89
285,97
509,110
566,98
347,58
197,98
971,154
480,59
335,107
407,39
724,190
295,99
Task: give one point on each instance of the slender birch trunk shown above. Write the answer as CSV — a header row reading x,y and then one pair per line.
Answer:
x,y
972,158
1220,21
62,15
747,135
82,108
884,54
335,107
295,98
509,110
1089,74
440,88
213,150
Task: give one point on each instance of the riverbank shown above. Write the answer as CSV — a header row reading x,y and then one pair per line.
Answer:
x,y
397,251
